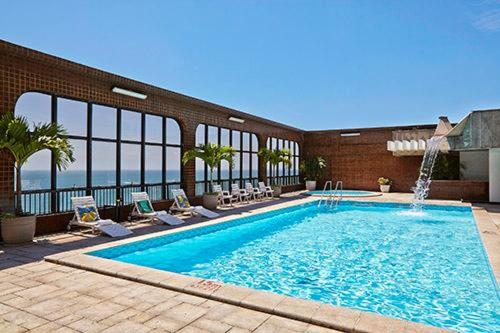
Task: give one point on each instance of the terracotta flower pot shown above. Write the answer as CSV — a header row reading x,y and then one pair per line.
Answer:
x,y
18,230
210,200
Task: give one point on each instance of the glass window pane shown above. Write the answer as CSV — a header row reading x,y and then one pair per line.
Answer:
x,y
173,132
131,125
297,164
35,174
213,134
153,161
268,143
274,143
236,166
75,175
255,143
224,137
236,140
36,107
72,115
103,163
297,149
130,164
103,122
246,141
200,134
154,126
255,166
246,165
173,173
200,169
224,170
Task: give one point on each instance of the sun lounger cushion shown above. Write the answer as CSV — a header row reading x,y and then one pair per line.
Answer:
x,y
205,212
182,201
112,229
144,207
88,213
166,218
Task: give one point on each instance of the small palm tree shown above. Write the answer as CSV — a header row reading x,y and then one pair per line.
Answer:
x,y
212,154
313,167
17,138
275,157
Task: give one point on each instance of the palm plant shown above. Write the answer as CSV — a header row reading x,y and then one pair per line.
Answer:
x,y
17,138
313,167
275,157
212,154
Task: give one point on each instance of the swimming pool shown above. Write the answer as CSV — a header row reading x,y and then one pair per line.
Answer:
x,y
429,268
345,193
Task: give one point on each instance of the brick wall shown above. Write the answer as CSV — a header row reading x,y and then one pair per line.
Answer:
x,y
23,70
360,160
467,190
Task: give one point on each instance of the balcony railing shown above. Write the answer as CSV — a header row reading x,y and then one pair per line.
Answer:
x,y
42,202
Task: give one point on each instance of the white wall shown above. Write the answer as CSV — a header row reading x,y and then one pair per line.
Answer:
x,y
475,163
494,174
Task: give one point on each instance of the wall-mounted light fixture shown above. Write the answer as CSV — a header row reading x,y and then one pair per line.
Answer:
x,y
128,93
237,120
350,134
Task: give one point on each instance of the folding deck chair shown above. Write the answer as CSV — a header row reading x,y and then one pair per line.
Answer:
x,y
223,196
253,191
241,194
181,204
87,215
144,209
266,190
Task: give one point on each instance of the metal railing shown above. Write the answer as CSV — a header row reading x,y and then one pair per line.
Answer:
x,y
43,202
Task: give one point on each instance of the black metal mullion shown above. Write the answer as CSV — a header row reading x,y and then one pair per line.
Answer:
x,y
205,164
89,149
219,132
164,190
143,149
53,170
241,158
250,157
118,180
230,167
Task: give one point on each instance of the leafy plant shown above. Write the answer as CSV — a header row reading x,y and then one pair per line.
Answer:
x,y
447,167
212,154
17,138
275,157
313,167
384,181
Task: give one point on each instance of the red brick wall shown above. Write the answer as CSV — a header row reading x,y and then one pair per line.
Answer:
x,y
360,160
466,190
23,70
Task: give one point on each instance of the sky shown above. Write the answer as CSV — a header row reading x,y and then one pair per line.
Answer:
x,y
309,64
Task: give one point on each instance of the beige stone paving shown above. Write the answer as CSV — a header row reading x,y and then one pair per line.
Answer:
x,y
38,296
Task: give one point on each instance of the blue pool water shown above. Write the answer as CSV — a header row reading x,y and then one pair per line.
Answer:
x,y
346,193
429,268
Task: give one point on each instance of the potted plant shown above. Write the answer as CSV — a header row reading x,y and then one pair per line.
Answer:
x,y
385,184
212,154
274,158
17,138
313,168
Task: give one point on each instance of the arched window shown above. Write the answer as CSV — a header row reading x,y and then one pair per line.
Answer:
x,y
245,162
116,152
284,175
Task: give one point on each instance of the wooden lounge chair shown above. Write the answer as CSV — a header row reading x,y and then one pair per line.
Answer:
x,y
242,195
266,190
143,208
223,196
87,215
181,204
253,191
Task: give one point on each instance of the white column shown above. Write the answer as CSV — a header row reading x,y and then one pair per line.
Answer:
x,y
494,171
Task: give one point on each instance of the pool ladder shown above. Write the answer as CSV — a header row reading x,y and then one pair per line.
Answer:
x,y
329,196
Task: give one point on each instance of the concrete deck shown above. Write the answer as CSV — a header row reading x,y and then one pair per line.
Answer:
x,y
89,296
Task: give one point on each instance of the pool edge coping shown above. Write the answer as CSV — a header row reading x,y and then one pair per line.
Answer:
x,y
312,312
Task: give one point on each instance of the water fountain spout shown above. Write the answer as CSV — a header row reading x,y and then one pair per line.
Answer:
x,y
423,183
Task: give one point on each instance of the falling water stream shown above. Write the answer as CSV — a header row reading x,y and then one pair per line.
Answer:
x,y
422,185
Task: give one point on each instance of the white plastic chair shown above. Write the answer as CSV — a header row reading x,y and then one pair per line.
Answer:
x,y
160,216
242,195
181,204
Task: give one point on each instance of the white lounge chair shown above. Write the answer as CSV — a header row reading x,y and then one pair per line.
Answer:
x,y
144,208
242,195
87,215
266,190
253,191
181,204
223,196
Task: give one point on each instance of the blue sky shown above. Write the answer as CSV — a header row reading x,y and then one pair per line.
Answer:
x,y
310,64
